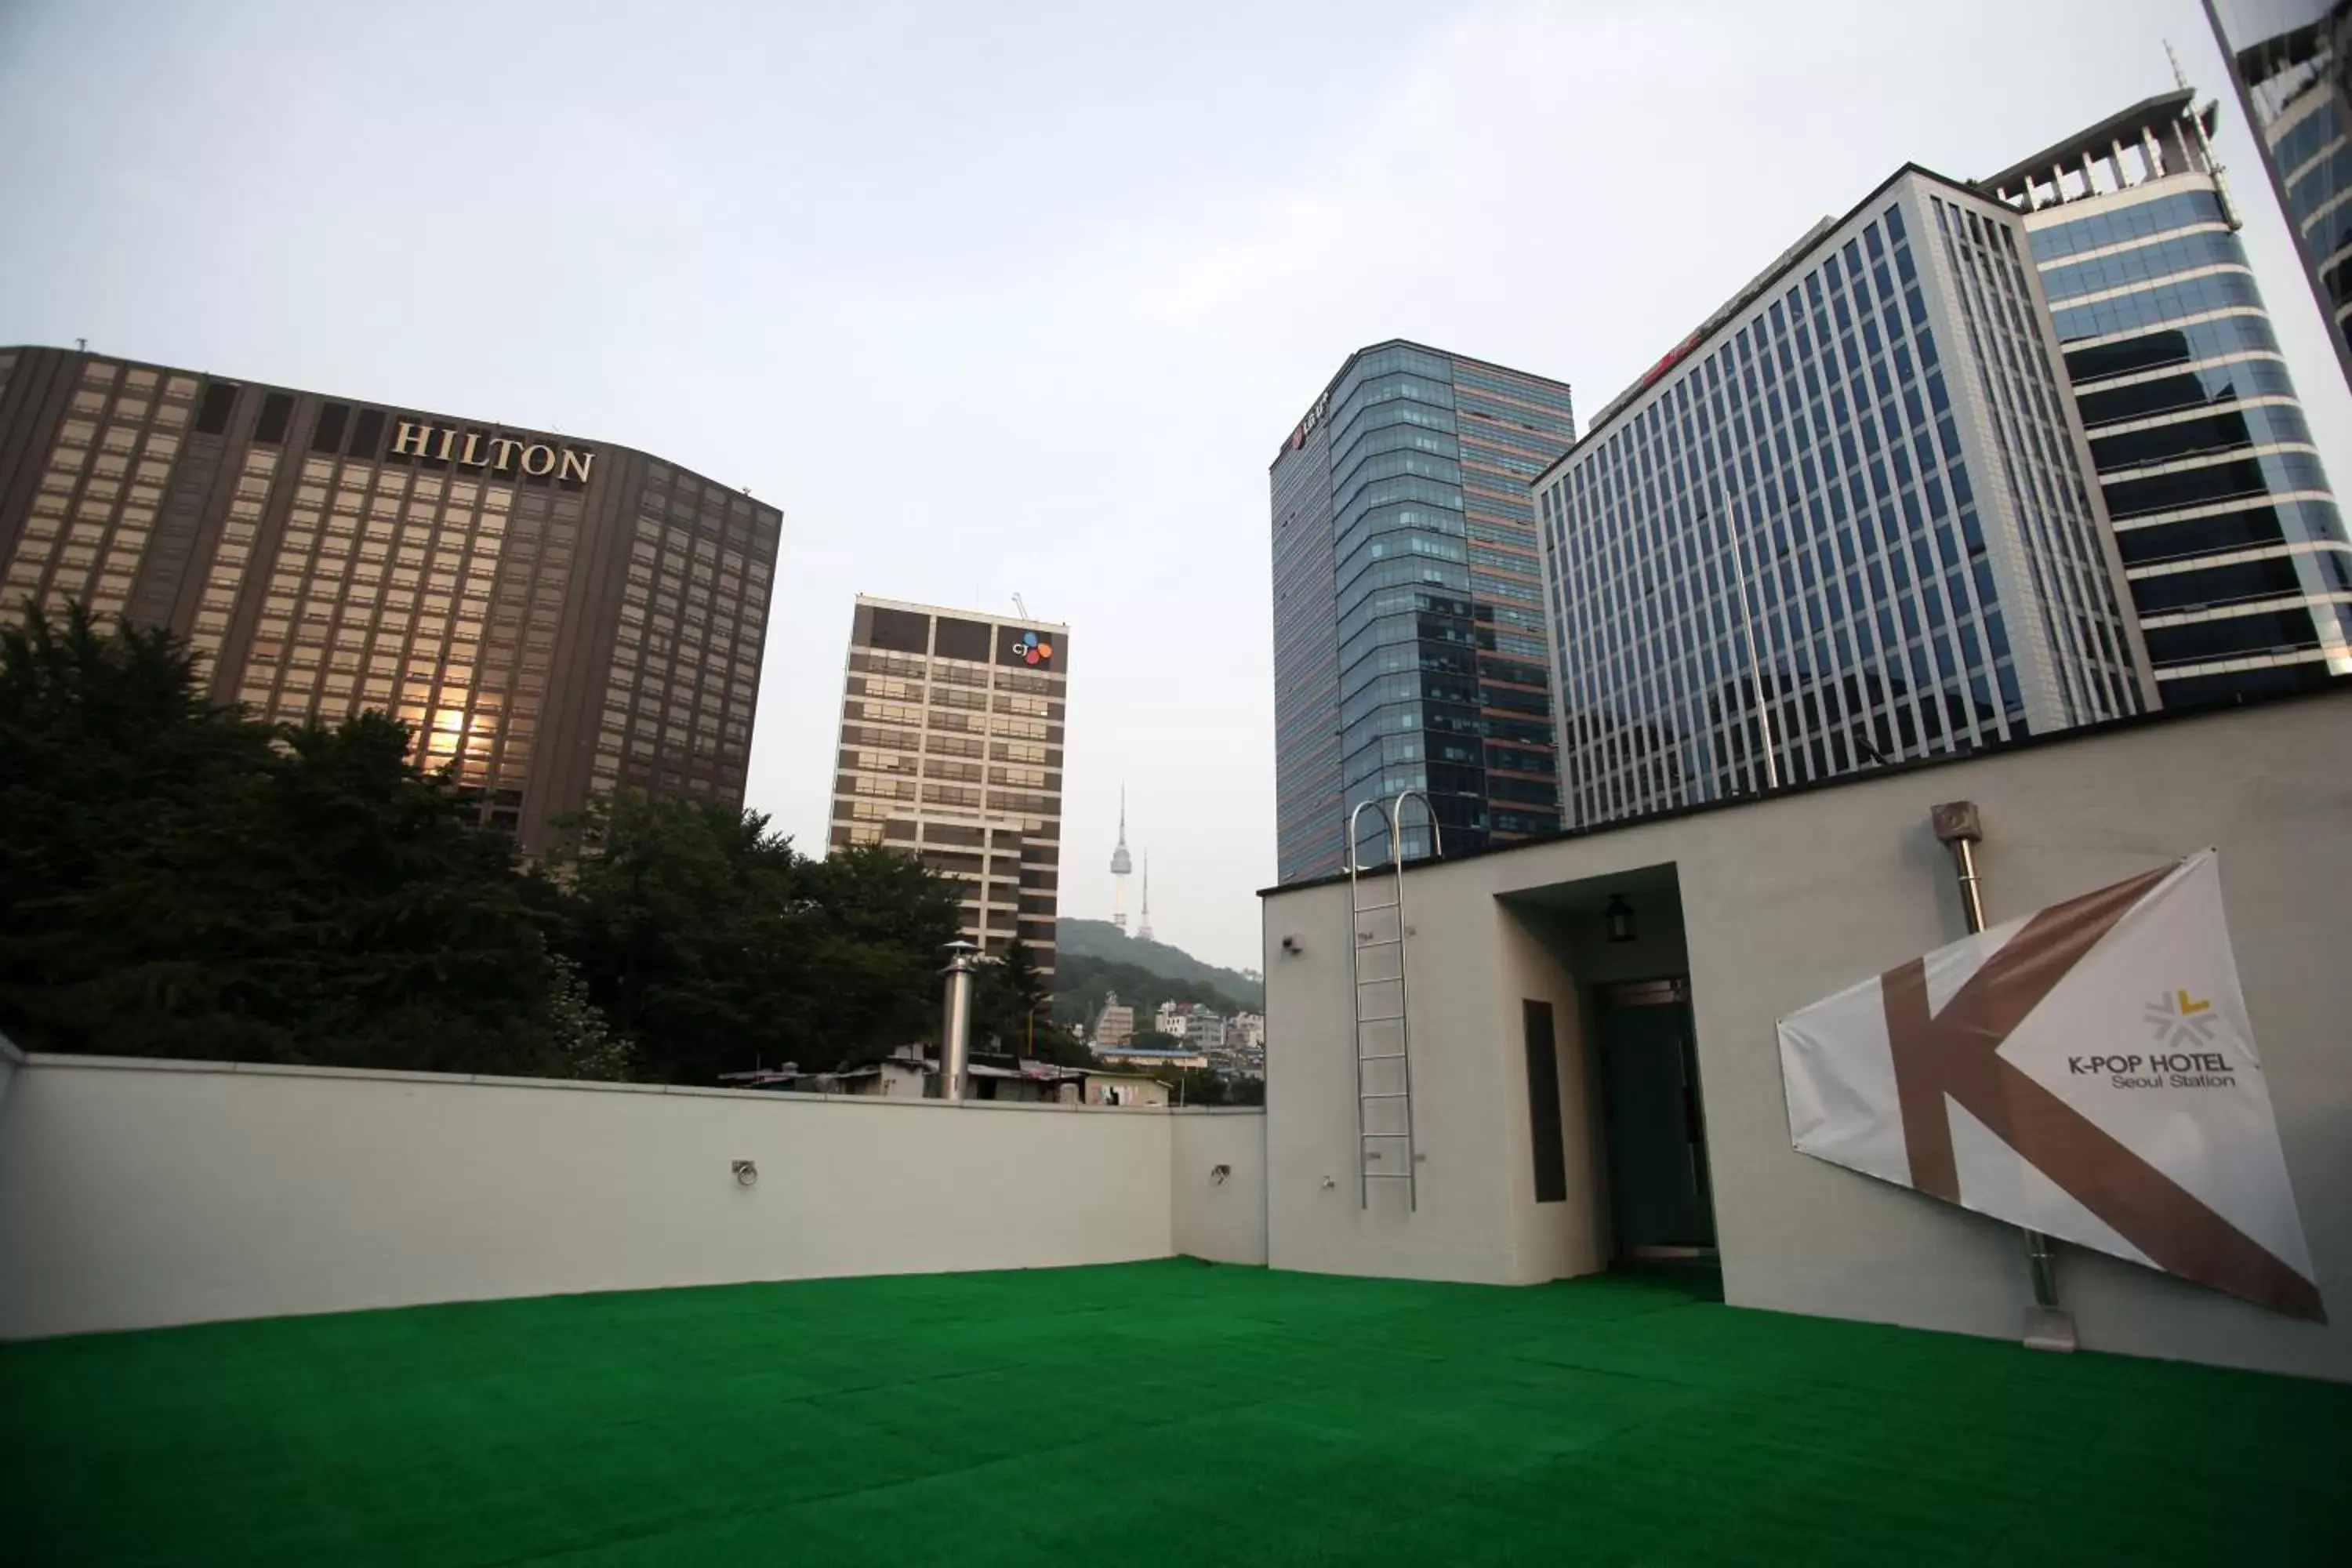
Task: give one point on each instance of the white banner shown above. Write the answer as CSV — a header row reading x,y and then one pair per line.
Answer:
x,y
2086,1072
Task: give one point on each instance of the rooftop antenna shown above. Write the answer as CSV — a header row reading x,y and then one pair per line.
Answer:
x,y
2205,145
81,346
1022,608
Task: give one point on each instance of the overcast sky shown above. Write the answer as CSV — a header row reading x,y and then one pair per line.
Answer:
x,y
999,299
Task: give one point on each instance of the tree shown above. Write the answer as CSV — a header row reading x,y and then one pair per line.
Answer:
x,y
1081,983
176,879
1014,1001
584,1040
883,923
714,946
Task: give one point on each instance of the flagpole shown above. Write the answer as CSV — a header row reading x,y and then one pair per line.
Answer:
x,y
2048,1326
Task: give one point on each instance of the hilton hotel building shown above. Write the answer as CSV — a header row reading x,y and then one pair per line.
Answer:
x,y
551,616
951,748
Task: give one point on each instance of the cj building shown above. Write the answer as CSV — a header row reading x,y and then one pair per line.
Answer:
x,y
553,618
951,748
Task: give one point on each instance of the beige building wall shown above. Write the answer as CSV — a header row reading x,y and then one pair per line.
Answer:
x,y
136,1193
1781,902
1133,1089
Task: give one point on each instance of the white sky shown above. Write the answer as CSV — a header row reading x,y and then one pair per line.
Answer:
x,y
1004,298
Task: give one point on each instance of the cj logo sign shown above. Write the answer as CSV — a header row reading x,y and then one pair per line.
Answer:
x,y
470,449
1028,649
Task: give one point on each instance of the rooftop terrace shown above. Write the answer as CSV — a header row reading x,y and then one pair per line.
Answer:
x,y
1166,1411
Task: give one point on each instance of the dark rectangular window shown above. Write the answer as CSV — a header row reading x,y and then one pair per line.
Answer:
x,y
329,434
962,639
212,415
276,410
2218,586
367,433
1543,1105
901,631
2260,631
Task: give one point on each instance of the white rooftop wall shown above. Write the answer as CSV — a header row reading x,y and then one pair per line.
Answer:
x,y
137,1194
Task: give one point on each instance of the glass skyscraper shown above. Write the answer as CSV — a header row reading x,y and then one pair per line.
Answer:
x,y
1844,521
1408,604
2238,561
2292,61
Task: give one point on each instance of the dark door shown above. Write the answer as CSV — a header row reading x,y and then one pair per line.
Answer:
x,y
1657,1143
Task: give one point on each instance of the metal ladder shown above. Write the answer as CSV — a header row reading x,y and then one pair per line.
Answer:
x,y
1383,1043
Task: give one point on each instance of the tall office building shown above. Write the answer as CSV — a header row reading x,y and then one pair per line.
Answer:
x,y
552,616
1845,520
2292,61
951,748
1408,607
2238,561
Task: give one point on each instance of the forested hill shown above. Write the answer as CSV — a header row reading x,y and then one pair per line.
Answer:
x,y
1100,938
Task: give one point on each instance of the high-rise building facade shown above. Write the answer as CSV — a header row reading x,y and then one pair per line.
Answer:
x,y
951,748
1844,521
2292,61
553,616
2238,564
1408,604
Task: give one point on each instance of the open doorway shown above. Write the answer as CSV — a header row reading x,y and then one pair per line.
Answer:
x,y
1661,1203
1612,983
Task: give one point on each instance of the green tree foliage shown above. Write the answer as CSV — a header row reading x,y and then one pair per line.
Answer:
x,y
1100,938
1013,1001
584,1039
714,946
1083,983
176,879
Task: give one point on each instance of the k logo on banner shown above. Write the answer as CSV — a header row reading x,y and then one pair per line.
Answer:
x,y
2086,1072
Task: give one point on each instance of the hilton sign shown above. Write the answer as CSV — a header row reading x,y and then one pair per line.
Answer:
x,y
501,454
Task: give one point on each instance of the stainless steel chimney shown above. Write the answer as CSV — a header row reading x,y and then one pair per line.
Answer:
x,y
955,1019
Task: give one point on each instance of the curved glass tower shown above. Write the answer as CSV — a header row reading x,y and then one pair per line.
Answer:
x,y
2292,61
2237,556
1408,632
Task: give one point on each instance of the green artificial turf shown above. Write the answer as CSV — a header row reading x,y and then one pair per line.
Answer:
x,y
1158,1413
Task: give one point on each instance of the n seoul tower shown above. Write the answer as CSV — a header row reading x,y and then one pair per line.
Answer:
x,y
1121,863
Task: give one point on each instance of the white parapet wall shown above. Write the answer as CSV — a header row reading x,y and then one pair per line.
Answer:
x,y
1218,1184
135,1193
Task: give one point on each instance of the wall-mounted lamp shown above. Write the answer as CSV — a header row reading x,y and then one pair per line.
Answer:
x,y
1620,918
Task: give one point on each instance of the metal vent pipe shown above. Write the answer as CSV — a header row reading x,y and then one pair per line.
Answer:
x,y
955,1019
